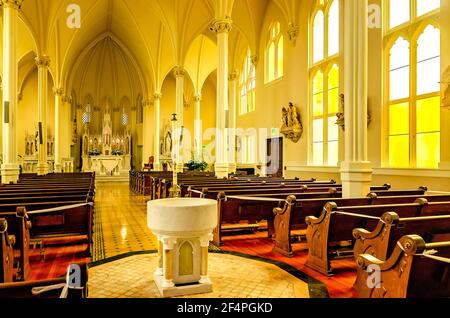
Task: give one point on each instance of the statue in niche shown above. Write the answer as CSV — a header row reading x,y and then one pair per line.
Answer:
x,y
446,89
341,115
166,141
292,127
74,132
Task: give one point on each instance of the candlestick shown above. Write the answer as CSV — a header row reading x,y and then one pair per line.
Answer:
x,y
174,190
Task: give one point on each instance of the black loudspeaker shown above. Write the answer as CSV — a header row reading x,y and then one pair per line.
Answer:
x,y
41,140
6,112
227,119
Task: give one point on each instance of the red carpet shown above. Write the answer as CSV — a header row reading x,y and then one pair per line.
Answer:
x,y
339,285
58,257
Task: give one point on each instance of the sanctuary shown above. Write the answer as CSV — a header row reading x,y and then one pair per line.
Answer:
x,y
106,154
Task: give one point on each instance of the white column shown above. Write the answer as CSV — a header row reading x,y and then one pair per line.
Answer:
x,y
10,166
222,167
198,128
232,81
148,124
157,152
42,63
356,170
58,104
179,75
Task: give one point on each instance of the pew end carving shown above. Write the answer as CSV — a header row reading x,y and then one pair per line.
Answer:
x,y
282,225
317,236
7,253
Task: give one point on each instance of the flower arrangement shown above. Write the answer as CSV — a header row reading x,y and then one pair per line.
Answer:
x,y
117,152
95,152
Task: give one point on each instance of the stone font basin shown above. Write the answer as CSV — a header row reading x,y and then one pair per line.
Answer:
x,y
182,216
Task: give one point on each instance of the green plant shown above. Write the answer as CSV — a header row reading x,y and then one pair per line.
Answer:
x,y
194,165
95,152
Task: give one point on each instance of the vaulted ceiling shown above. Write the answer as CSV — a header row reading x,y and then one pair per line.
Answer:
x,y
150,36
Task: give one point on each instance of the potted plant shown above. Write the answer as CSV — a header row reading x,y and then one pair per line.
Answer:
x,y
95,152
117,152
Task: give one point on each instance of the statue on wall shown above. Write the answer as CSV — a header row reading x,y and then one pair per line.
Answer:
x,y
292,127
341,115
74,132
166,141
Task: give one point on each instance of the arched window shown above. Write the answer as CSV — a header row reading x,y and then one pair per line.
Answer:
x,y
275,53
86,118
324,74
247,85
124,118
413,99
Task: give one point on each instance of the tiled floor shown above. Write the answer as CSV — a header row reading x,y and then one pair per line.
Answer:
x,y
121,228
232,277
123,219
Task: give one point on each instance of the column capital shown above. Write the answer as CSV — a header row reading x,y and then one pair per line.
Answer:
x,y
157,96
179,71
197,98
293,31
15,4
233,76
58,91
42,61
168,243
205,239
222,25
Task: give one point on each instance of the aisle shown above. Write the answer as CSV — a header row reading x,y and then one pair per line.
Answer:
x,y
120,222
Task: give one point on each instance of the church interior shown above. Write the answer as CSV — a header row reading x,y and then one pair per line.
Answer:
x,y
225,149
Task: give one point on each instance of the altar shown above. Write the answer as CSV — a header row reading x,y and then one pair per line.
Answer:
x,y
106,154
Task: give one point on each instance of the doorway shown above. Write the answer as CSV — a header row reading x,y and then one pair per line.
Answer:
x,y
274,159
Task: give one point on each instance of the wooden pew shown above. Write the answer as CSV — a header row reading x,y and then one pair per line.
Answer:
x,y
53,192
25,290
292,216
253,207
19,226
61,197
256,190
234,209
391,228
415,269
335,225
6,253
61,221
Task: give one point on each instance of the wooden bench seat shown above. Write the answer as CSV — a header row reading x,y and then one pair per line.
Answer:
x,y
19,226
391,228
24,290
292,215
415,269
6,253
336,224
